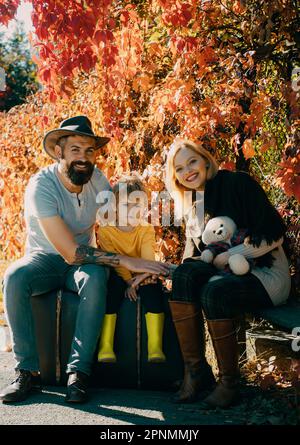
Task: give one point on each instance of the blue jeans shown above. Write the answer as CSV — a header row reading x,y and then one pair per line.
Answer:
x,y
38,273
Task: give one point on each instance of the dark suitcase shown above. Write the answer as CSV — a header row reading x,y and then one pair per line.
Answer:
x,y
44,309
132,370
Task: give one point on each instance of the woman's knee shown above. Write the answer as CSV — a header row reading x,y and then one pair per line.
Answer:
x,y
183,283
214,301
195,271
182,269
183,275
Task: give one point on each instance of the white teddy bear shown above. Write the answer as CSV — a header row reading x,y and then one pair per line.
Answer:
x,y
219,235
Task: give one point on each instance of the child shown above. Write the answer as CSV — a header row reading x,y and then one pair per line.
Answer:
x,y
136,240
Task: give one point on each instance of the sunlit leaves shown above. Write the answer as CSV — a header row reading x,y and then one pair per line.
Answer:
x,y
248,149
146,72
8,10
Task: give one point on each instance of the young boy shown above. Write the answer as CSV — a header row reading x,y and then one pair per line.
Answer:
x,y
135,238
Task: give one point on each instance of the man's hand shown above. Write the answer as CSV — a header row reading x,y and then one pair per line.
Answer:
x,y
139,265
221,260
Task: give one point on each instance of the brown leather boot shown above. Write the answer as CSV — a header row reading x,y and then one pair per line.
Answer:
x,y
224,337
198,375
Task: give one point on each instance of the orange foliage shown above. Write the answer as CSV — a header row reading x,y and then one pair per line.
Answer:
x,y
145,72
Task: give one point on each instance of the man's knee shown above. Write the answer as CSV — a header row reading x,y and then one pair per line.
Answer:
x,y
92,276
16,276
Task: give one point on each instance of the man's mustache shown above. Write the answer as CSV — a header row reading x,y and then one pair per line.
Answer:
x,y
84,164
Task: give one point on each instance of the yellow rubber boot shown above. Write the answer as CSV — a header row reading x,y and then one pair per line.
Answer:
x,y
106,347
155,327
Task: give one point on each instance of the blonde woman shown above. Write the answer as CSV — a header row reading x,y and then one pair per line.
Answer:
x,y
191,170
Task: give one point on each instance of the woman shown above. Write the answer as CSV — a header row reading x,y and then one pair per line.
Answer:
x,y
190,168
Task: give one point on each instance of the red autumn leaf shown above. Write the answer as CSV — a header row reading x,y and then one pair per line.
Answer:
x,y
125,17
239,6
228,165
248,149
8,10
52,97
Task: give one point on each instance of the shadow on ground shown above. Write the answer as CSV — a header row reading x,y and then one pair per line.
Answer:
x,y
136,407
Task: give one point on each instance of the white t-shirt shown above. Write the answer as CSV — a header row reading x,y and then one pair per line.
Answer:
x,y
46,196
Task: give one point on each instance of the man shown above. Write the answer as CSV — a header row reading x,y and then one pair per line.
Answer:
x,y
60,213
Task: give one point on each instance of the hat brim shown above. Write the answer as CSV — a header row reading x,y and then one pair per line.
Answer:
x,y
51,138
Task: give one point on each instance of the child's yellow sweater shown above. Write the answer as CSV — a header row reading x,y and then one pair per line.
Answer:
x,y
140,243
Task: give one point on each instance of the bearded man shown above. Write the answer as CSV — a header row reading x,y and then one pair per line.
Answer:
x,y
60,213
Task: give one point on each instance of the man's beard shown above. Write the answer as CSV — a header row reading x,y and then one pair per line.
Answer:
x,y
80,177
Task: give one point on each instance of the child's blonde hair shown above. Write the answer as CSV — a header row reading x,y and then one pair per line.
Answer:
x,y
173,186
133,181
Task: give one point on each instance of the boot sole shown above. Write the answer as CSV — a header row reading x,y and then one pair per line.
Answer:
x,y
235,401
199,395
18,399
78,402
156,360
107,360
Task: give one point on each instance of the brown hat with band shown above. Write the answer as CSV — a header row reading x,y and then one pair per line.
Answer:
x,y
80,125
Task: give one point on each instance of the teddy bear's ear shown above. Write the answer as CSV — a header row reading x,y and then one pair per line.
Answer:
x,y
207,235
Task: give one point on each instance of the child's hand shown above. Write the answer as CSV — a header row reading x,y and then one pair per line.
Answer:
x,y
130,293
138,279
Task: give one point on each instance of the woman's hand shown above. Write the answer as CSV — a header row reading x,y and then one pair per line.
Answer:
x,y
221,260
131,293
139,265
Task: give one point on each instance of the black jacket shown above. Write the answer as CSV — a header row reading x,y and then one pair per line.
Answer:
x,y
239,196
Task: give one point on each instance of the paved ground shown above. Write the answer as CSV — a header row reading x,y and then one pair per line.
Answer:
x,y
137,407
106,407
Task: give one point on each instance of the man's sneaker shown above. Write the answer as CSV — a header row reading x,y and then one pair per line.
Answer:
x,y
77,387
19,389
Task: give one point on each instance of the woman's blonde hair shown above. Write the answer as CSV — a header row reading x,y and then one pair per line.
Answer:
x,y
173,186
